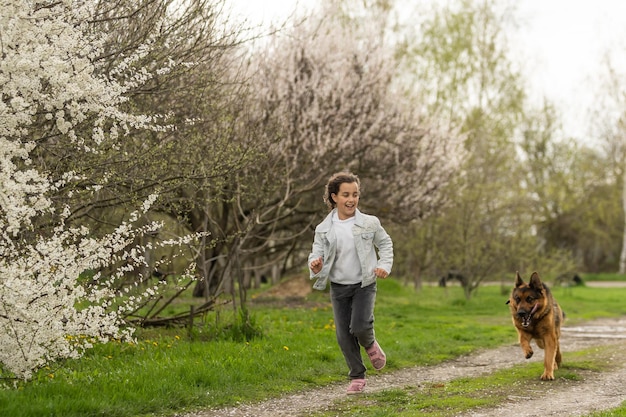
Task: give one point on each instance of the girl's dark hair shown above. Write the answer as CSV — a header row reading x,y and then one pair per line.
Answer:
x,y
333,184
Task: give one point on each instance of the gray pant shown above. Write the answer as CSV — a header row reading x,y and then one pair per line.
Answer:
x,y
353,309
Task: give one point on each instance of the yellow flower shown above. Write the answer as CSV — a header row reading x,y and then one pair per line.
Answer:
x,y
286,347
330,325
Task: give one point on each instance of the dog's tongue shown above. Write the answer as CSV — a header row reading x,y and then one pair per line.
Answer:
x,y
526,319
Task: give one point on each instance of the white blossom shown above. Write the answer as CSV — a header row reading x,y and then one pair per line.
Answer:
x,y
46,69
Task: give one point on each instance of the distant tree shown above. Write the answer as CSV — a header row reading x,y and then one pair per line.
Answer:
x,y
571,193
610,122
462,72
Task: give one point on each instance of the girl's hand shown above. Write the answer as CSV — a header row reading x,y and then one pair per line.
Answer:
x,y
316,265
380,273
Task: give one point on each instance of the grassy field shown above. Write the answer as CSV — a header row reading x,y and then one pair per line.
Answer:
x,y
602,277
167,372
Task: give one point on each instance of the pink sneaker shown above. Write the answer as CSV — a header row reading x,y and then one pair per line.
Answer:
x,y
356,386
377,356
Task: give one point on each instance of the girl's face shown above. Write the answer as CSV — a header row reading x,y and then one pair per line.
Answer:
x,y
347,199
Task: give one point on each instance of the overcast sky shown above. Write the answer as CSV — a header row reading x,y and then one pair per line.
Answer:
x,y
562,46
566,43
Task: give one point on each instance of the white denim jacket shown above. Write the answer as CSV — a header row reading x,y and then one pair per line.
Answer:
x,y
369,235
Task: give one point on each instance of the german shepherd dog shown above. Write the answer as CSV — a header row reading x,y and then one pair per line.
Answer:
x,y
537,315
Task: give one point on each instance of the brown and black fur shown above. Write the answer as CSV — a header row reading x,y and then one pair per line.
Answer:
x,y
537,315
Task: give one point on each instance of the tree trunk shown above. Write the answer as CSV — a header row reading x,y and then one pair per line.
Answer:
x,y
622,258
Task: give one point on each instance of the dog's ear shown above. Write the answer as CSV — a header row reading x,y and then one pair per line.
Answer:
x,y
535,281
518,280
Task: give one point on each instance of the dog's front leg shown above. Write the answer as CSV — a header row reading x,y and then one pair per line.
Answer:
x,y
549,362
524,341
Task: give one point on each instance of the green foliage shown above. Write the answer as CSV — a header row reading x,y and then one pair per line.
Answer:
x,y
617,412
243,328
575,191
483,230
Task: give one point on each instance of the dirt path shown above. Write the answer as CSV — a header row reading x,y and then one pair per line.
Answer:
x,y
597,391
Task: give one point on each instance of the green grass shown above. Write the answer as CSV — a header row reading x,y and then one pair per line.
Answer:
x,y
603,277
616,412
165,372
585,303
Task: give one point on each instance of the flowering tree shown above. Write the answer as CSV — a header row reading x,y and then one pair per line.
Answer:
x,y
52,90
327,98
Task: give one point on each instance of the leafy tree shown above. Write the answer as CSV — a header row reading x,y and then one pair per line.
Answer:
x,y
460,59
575,211
610,122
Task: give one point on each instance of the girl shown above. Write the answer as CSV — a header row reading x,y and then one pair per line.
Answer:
x,y
344,253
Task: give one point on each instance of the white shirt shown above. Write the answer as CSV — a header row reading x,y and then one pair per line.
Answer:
x,y
347,268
